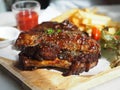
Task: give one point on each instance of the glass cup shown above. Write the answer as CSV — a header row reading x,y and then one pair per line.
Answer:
x,y
26,13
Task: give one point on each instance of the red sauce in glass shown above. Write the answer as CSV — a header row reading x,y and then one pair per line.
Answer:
x,y
26,20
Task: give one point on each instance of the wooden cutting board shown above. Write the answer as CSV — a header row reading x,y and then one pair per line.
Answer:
x,y
43,79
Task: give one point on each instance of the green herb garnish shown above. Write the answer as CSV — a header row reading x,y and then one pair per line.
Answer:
x,y
50,31
58,31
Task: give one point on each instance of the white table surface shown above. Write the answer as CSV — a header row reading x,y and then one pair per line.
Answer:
x,y
7,19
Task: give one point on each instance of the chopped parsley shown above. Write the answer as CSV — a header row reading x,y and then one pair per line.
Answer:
x,y
50,31
58,31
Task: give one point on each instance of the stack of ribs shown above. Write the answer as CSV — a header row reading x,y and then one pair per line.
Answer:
x,y
57,45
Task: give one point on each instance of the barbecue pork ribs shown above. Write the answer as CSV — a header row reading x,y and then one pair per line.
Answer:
x,y
61,45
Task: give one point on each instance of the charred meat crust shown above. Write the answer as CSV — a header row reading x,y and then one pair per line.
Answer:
x,y
65,46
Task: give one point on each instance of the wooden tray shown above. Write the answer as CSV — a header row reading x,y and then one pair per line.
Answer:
x,y
43,79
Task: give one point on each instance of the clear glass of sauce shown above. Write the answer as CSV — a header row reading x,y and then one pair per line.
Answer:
x,y
26,13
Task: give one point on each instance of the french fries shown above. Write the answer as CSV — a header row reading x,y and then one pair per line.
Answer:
x,y
84,19
65,15
84,16
89,18
114,24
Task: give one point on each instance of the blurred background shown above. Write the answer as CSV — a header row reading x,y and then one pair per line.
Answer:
x,y
5,5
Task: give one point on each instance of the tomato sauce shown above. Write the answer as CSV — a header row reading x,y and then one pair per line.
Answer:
x,y
26,20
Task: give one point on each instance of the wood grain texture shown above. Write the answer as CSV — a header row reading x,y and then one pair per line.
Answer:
x,y
43,79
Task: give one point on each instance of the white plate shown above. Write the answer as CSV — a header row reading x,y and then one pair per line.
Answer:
x,y
9,34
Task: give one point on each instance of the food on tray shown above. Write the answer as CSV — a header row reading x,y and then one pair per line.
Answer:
x,y
71,41
86,19
98,26
61,45
89,21
111,41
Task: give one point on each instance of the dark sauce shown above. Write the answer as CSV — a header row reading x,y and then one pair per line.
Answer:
x,y
2,39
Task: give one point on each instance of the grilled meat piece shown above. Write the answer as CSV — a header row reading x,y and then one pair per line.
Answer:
x,y
61,45
46,30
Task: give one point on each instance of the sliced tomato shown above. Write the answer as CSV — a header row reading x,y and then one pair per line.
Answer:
x,y
96,33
